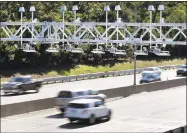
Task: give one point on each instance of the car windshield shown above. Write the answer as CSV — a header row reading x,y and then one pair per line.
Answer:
x,y
80,93
78,105
17,80
93,92
65,94
183,66
149,69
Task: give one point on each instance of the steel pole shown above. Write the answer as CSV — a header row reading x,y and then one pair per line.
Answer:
x,y
74,23
21,28
160,25
63,27
134,64
32,26
150,28
117,22
106,28
0,82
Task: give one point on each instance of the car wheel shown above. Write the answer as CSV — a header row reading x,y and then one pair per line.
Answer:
x,y
71,120
5,93
62,110
103,100
20,91
92,119
37,89
109,115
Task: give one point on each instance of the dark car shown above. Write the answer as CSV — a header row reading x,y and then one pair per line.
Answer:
x,y
182,70
19,85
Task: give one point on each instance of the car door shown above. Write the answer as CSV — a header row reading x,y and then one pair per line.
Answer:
x,y
104,110
24,85
29,84
100,109
64,97
32,84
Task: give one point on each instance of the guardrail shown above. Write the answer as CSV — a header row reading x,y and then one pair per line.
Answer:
x,y
98,75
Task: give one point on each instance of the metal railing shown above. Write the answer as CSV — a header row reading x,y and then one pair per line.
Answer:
x,y
98,75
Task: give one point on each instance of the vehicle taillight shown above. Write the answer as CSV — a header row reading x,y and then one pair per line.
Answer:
x,y
84,111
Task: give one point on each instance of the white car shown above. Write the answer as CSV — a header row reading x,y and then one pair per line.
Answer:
x,y
87,110
64,97
152,70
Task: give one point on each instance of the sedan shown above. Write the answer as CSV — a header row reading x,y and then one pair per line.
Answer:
x,y
150,78
182,70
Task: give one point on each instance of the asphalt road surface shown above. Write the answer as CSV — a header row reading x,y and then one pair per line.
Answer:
x,y
156,111
52,90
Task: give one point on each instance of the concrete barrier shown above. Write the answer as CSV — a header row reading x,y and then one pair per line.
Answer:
x,y
13,109
26,107
39,104
29,106
129,90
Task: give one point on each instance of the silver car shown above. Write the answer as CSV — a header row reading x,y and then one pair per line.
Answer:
x,y
64,97
152,70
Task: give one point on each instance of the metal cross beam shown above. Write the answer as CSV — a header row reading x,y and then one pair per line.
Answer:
x,y
94,32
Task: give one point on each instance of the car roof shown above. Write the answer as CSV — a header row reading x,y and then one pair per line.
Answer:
x,y
22,76
151,67
84,101
78,90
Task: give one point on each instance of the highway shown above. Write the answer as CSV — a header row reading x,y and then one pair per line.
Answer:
x,y
156,111
51,90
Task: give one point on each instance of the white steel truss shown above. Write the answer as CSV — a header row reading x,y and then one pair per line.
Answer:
x,y
94,32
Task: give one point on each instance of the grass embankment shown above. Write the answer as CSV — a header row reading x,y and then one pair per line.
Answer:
x,y
84,69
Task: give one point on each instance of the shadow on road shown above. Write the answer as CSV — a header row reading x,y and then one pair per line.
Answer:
x,y
78,124
56,116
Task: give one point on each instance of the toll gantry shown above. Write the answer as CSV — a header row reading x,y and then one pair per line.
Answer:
x,y
108,37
